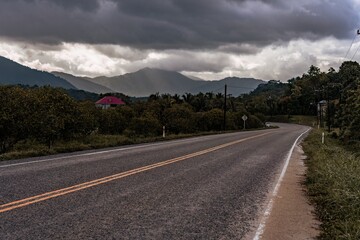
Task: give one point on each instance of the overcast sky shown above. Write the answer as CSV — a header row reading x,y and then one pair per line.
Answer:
x,y
211,39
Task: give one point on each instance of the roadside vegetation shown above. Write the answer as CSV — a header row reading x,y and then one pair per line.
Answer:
x,y
333,180
44,120
33,148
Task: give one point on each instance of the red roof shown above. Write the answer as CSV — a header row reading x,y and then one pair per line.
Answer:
x,y
110,100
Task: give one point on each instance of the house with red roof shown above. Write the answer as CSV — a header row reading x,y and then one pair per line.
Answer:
x,y
109,101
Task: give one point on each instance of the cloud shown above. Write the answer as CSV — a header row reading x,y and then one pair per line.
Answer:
x,y
212,39
278,61
83,5
239,48
176,24
181,60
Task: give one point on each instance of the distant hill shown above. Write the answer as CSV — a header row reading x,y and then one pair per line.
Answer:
x,y
271,88
148,81
194,78
142,83
12,73
83,83
235,86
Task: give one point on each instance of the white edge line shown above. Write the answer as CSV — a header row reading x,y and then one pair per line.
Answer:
x,y
101,152
81,155
260,229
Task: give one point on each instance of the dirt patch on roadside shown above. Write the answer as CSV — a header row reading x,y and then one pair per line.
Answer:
x,y
292,217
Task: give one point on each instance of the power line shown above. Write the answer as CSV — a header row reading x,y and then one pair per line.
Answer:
x,y
240,87
355,53
217,90
351,45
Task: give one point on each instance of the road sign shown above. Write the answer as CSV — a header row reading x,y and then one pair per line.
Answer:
x,y
244,118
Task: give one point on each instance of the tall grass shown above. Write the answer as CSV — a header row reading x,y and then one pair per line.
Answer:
x,y
298,119
31,148
303,120
333,181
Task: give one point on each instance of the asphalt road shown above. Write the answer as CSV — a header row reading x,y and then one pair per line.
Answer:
x,y
212,187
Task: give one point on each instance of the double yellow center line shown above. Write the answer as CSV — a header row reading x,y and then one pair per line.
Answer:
x,y
63,191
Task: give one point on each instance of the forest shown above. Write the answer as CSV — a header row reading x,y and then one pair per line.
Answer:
x,y
47,115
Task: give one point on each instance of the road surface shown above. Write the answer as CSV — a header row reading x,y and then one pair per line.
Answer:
x,y
212,187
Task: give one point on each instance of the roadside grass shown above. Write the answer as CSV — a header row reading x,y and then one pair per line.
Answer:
x,y
31,148
333,182
297,119
303,120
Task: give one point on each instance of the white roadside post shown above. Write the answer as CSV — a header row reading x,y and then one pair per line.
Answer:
x,y
244,118
163,131
322,138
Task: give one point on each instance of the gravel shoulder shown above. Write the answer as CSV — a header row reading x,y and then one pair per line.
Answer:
x,y
292,216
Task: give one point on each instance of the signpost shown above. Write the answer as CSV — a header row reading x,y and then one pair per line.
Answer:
x,y
244,118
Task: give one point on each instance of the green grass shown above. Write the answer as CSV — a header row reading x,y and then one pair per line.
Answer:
x,y
30,148
298,119
303,120
333,182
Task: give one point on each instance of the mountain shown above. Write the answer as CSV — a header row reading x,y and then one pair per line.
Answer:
x,y
194,78
83,83
148,81
142,83
235,86
12,73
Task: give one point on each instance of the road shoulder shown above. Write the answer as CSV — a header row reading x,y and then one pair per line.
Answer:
x,y
292,217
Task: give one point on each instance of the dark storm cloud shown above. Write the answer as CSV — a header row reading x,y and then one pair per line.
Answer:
x,y
246,49
117,52
176,24
85,5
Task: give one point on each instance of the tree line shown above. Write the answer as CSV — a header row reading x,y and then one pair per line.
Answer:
x,y
46,114
338,93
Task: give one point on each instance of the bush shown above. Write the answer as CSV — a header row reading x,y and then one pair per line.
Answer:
x,y
179,119
146,126
213,120
112,122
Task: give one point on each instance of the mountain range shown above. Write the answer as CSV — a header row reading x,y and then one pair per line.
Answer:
x,y
12,73
138,84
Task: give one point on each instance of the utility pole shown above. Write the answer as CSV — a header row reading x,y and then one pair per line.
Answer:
x,y
318,107
225,107
328,109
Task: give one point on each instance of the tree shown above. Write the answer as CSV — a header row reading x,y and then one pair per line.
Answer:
x,y
188,98
111,122
146,125
56,115
347,114
214,119
179,119
87,121
16,110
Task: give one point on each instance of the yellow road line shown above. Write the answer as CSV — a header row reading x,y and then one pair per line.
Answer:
x,y
63,191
